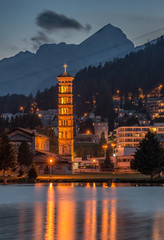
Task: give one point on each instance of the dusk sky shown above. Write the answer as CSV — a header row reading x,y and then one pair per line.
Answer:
x,y
26,24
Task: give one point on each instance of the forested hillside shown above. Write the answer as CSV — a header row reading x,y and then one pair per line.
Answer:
x,y
143,69
94,86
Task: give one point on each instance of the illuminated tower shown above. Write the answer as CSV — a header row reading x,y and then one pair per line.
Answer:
x,y
65,115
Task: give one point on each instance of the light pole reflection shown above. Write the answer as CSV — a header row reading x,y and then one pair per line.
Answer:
x,y
66,213
105,220
113,220
49,235
38,221
90,224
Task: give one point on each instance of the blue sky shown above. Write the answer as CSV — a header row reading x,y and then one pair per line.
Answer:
x,y
140,20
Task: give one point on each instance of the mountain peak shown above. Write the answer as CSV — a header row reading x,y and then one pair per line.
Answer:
x,y
27,72
108,36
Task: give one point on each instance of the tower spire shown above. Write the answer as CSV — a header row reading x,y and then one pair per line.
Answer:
x,y
65,67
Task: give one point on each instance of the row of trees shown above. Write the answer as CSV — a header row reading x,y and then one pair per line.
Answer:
x,y
30,121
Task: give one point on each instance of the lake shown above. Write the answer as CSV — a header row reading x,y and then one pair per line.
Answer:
x,y
80,211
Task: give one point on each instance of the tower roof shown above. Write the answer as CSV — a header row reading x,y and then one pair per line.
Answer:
x,y
64,74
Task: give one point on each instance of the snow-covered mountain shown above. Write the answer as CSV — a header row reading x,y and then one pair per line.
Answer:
x,y
27,72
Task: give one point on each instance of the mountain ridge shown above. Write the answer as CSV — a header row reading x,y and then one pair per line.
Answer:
x,y
27,72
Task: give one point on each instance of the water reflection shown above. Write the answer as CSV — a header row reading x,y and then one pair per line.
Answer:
x,y
49,235
66,209
92,212
113,220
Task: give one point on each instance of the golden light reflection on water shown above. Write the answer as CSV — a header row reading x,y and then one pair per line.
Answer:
x,y
113,219
90,220
88,185
66,215
104,185
68,212
105,220
113,185
38,221
158,229
49,235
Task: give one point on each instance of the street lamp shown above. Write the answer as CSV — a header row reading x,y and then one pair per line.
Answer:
x,y
51,161
105,147
113,145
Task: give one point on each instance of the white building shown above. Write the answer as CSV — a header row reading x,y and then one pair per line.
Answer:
x,y
128,139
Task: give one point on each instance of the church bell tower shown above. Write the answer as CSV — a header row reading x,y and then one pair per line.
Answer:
x,y
65,115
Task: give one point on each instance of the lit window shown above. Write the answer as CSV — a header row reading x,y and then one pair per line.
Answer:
x,y
64,100
64,89
64,110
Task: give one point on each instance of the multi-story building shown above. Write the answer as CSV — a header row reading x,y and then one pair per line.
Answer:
x,y
128,139
155,106
131,136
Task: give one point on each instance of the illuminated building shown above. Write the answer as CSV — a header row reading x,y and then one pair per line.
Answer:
x,y
130,136
36,141
128,139
155,107
65,115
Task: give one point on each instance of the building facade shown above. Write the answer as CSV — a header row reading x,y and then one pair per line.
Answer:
x,y
101,127
65,115
131,136
36,141
127,140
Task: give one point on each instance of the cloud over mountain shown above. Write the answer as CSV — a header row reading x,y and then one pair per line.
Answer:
x,y
39,39
49,20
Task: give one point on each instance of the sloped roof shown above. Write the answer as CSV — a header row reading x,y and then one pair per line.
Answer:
x,y
28,131
65,74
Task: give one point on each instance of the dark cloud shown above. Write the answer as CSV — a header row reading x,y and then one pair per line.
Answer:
x,y
50,20
40,39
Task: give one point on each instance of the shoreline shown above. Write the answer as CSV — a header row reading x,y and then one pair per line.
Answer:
x,y
87,178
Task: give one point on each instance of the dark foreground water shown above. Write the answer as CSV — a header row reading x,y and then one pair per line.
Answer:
x,y
70,212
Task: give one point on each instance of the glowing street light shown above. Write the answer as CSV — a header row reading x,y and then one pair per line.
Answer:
x,y
113,145
105,146
88,132
50,161
21,109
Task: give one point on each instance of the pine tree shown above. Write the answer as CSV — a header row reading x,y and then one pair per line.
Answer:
x,y
25,156
8,158
102,142
107,164
149,157
32,173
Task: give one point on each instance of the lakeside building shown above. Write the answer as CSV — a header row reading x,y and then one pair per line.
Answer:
x,y
127,139
45,161
36,141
